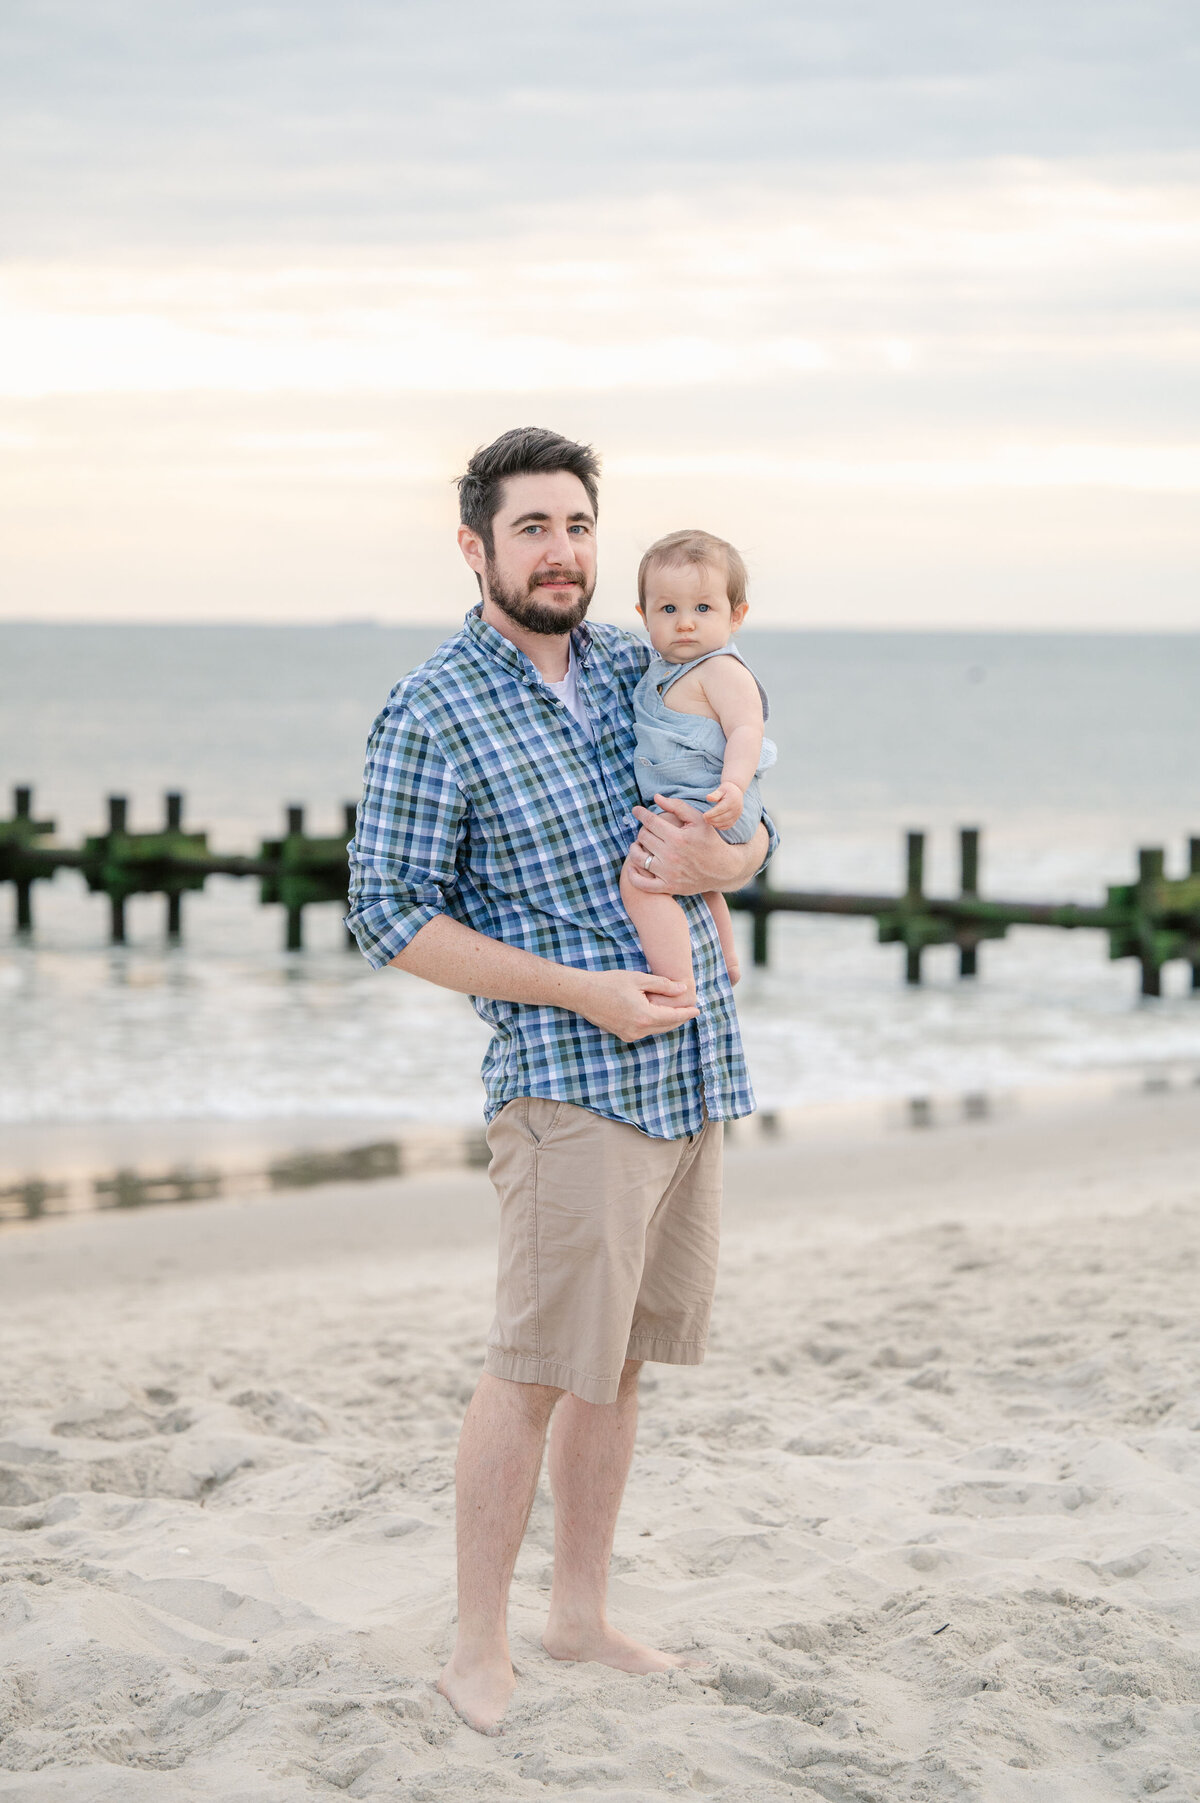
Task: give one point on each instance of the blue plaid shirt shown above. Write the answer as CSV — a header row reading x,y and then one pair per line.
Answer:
x,y
485,799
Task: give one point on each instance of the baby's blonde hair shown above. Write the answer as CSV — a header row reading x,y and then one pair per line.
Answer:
x,y
695,547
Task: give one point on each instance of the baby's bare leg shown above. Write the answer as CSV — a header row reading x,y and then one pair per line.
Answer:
x,y
718,907
662,929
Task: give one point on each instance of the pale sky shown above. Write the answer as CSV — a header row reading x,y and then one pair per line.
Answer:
x,y
900,297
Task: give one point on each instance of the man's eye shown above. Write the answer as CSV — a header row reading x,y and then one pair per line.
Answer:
x,y
531,528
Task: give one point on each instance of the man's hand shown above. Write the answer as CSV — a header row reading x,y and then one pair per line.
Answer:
x,y
728,802
688,855
632,1003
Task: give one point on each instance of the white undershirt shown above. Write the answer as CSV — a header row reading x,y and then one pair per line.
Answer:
x,y
567,692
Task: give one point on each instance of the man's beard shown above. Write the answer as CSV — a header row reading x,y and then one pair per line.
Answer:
x,y
537,616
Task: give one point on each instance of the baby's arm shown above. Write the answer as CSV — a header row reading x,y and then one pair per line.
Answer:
x,y
733,695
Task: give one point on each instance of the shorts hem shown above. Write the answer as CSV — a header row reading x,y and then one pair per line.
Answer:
x,y
520,1368
667,1352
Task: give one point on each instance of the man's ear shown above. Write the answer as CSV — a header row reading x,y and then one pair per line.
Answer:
x,y
472,548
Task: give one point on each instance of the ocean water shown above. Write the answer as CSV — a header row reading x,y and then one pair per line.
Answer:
x,y
1069,751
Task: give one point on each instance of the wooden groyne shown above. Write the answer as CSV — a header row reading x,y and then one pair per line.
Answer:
x,y
1154,919
294,871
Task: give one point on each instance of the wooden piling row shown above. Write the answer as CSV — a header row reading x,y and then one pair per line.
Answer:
x,y
1155,919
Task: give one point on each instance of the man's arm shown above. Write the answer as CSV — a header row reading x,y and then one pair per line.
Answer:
x,y
690,856
411,829
629,1003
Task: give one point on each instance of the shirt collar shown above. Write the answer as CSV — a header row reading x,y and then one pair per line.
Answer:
x,y
502,651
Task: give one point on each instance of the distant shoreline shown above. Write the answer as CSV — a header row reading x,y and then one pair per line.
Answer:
x,y
452,621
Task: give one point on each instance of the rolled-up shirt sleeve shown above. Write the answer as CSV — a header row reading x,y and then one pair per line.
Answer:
x,y
411,822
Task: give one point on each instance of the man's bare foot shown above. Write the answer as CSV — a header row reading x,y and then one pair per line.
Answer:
x,y
480,1695
608,1646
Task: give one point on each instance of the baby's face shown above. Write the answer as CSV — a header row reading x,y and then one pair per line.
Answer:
x,y
687,610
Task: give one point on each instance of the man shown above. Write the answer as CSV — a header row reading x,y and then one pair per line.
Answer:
x,y
497,812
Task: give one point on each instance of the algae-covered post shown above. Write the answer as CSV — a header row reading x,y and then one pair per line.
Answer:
x,y
23,810
295,910
350,811
968,885
174,802
118,814
1194,870
762,914
1152,953
914,896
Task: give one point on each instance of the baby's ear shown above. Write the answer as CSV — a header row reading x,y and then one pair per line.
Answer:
x,y
738,615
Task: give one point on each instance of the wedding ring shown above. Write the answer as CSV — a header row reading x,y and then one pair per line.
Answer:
x,y
649,860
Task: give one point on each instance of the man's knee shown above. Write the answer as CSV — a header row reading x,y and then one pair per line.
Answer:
x,y
533,1401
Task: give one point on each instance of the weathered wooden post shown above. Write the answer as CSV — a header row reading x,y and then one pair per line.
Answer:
x,y
22,860
118,811
914,895
910,920
295,913
174,803
297,870
1194,870
1150,876
23,810
762,917
968,884
350,810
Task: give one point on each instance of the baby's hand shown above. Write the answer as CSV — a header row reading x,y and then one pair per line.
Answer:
x,y
729,801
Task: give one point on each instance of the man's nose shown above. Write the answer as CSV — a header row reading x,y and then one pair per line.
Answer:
x,y
560,549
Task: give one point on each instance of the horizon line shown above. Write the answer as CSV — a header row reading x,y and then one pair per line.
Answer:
x,y
423,625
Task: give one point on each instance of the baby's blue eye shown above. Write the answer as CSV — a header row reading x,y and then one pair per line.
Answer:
x,y
703,608
670,608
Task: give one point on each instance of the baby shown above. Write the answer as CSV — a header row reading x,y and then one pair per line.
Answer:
x,y
699,715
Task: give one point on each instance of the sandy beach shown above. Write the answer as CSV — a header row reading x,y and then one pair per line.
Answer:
x,y
929,1509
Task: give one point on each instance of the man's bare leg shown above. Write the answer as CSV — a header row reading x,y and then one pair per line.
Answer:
x,y
591,1447
499,1461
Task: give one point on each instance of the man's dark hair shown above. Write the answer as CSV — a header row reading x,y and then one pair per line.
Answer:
x,y
525,451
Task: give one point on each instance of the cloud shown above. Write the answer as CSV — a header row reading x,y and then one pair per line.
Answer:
x,y
138,122
919,276
913,272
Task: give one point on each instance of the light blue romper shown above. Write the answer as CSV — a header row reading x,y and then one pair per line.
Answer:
x,y
682,754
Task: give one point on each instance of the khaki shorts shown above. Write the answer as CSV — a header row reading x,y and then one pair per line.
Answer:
x,y
608,1246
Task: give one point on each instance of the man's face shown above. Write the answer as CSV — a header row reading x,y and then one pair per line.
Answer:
x,y
542,570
